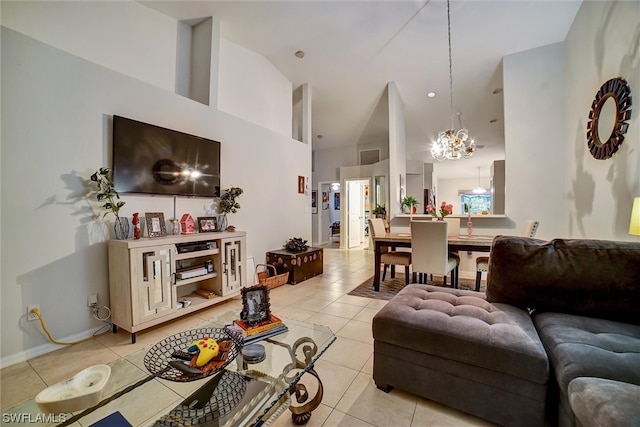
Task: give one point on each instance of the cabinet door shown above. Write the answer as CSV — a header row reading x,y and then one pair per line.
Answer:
x,y
233,265
155,292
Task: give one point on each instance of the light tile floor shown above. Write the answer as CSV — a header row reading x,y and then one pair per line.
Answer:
x,y
350,395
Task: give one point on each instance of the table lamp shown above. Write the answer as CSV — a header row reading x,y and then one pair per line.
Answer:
x,y
634,223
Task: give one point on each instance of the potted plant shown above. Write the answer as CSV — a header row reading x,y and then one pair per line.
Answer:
x,y
228,204
296,245
379,212
107,193
409,203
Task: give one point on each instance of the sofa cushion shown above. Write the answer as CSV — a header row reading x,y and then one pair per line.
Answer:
x,y
462,326
593,278
600,402
588,347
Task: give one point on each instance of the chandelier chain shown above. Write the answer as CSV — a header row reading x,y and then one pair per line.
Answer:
x,y
450,62
452,144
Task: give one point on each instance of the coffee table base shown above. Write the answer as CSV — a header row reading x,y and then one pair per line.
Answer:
x,y
301,414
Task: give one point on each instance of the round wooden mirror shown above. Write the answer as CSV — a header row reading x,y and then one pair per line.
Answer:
x,y
608,117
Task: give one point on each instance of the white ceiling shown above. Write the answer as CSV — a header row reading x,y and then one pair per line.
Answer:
x,y
354,48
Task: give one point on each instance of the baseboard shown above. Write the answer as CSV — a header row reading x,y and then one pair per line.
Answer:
x,y
42,349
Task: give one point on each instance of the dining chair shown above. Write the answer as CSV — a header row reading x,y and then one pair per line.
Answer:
x,y
430,250
482,262
377,228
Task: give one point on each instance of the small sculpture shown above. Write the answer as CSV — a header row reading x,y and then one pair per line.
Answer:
x,y
187,224
136,226
296,245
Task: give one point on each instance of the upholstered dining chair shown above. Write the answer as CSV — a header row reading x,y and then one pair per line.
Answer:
x,y
482,262
377,228
430,250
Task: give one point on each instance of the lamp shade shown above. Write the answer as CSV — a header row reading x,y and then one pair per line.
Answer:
x,y
634,224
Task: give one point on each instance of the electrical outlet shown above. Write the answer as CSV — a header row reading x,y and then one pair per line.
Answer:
x,y
92,300
31,316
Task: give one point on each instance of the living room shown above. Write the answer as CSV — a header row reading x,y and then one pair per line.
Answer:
x,y
68,67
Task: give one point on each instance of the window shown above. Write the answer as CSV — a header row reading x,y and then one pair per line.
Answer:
x,y
478,203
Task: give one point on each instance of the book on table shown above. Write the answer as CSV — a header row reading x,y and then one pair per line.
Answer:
x,y
246,334
249,330
238,336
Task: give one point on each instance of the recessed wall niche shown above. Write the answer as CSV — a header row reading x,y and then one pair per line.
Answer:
x,y
196,58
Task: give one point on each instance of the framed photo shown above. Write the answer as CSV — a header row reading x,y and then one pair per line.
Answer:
x,y
325,200
314,202
300,184
155,224
255,305
207,224
336,201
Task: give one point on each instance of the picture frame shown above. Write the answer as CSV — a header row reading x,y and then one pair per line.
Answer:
x,y
255,305
156,226
325,200
314,202
207,224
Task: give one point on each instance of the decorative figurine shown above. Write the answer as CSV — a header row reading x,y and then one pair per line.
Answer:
x,y
136,226
187,224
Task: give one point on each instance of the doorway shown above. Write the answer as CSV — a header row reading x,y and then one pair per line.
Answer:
x,y
328,213
357,211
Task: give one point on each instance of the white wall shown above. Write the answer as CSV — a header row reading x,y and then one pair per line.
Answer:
x,y
56,121
124,36
397,149
536,160
263,98
602,44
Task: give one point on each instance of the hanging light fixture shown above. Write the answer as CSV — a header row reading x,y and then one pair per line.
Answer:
x,y
479,189
451,144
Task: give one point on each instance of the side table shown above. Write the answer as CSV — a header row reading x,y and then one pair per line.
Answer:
x,y
300,265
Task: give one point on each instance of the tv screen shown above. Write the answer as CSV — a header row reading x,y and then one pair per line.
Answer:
x,y
150,159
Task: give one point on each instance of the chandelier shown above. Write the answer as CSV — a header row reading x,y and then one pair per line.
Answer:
x,y
479,189
451,144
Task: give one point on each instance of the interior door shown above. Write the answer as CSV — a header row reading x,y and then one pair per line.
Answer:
x,y
356,214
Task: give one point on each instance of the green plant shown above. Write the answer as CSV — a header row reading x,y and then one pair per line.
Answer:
x,y
107,192
409,201
228,203
379,210
296,245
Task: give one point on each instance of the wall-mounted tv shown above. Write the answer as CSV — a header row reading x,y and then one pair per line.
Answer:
x,y
150,159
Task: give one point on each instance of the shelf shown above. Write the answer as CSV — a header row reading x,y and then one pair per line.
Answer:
x,y
182,282
196,254
198,302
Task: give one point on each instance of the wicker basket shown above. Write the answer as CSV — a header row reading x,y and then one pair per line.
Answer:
x,y
265,276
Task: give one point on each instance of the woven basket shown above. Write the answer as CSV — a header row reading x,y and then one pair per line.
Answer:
x,y
270,277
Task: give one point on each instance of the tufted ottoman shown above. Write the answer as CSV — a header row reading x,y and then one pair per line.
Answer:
x,y
454,347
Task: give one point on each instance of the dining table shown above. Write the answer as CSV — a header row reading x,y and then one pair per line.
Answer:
x,y
473,243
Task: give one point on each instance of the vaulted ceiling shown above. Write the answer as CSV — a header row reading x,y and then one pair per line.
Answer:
x,y
354,48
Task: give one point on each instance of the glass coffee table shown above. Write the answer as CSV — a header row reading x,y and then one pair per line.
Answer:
x,y
240,393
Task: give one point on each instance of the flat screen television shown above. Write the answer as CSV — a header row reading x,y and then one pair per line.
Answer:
x,y
149,159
